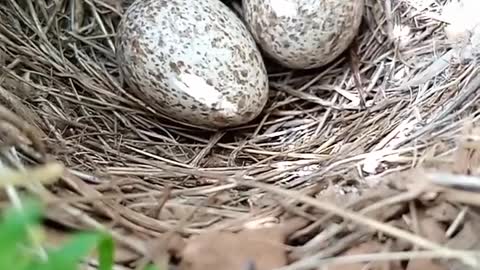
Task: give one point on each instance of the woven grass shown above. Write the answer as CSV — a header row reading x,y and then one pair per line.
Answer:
x,y
396,98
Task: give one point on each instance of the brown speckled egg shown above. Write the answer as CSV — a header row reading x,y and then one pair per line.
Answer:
x,y
303,34
194,61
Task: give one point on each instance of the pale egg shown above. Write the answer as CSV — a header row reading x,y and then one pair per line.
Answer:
x,y
303,34
194,61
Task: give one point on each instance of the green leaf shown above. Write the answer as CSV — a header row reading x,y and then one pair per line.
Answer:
x,y
106,250
15,224
151,267
79,247
14,232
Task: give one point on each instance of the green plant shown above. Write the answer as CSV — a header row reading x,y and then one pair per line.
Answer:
x,y
18,228
16,251
21,229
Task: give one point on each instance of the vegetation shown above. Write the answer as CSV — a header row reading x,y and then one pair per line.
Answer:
x,y
21,235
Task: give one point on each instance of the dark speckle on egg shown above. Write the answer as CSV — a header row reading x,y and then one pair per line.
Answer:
x,y
192,60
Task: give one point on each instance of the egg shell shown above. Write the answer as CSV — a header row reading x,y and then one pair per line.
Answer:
x,y
194,61
303,34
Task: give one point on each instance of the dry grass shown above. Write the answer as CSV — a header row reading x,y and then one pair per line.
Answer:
x,y
389,104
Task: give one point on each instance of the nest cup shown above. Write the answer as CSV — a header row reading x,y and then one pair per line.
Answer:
x,y
364,114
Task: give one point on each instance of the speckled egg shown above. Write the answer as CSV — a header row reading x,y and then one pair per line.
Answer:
x,y
194,61
303,34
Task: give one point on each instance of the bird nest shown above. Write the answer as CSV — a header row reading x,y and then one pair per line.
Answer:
x,y
374,154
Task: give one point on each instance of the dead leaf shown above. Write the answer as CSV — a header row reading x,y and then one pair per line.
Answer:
x,y
444,212
466,239
424,264
370,247
225,250
264,248
431,229
434,231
